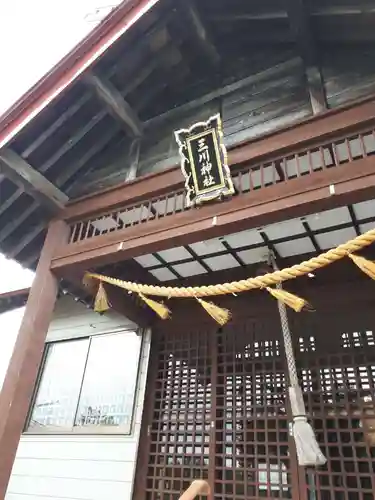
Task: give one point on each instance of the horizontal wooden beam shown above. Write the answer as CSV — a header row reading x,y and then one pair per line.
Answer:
x,y
115,103
312,131
32,181
223,91
357,10
294,198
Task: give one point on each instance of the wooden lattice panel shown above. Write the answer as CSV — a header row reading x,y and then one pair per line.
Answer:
x,y
252,442
180,429
219,411
338,375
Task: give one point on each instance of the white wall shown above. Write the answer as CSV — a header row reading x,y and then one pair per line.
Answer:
x,y
80,467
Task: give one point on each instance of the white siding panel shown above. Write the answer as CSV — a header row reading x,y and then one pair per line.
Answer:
x,y
76,467
53,487
89,469
73,320
49,447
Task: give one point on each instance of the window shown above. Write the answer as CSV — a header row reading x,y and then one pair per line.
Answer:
x,y
88,385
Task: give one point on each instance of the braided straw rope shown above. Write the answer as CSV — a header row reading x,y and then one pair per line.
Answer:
x,y
269,279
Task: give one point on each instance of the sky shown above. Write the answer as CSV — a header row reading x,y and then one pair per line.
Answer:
x,y
34,36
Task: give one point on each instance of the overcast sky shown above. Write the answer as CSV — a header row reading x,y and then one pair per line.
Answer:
x,y
34,36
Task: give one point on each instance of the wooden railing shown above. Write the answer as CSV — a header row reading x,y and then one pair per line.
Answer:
x,y
333,153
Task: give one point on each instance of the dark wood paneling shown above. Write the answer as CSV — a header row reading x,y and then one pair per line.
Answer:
x,y
349,73
315,130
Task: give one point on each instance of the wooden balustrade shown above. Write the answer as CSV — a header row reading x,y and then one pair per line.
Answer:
x,y
247,177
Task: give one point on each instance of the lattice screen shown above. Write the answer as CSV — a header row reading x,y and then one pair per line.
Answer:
x,y
220,409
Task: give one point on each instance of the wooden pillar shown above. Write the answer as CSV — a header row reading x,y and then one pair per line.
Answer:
x,y
22,373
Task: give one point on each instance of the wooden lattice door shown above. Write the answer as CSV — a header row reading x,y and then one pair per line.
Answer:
x,y
219,413
218,408
253,456
336,359
180,429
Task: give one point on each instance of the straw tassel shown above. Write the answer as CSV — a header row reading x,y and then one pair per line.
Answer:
x,y
219,314
365,265
289,299
101,300
160,309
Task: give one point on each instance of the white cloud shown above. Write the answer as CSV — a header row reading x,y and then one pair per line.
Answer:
x,y
13,276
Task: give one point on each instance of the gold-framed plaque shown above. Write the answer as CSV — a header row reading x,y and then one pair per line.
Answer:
x,y
204,162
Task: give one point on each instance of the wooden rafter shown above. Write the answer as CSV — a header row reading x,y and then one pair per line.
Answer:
x,y
65,175
117,106
200,31
76,167
300,24
135,149
32,181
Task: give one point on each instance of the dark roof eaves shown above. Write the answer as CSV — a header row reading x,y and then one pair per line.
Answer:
x,y
71,67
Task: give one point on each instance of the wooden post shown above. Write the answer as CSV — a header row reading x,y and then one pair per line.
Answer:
x,y
22,373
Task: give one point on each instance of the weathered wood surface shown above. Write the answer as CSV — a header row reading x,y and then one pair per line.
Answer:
x,y
251,107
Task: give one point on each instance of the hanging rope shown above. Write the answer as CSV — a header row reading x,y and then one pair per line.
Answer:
x,y
308,451
234,287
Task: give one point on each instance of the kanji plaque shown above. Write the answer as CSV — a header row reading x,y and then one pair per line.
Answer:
x,y
204,162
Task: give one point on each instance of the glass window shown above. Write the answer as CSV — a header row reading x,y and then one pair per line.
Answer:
x,y
88,385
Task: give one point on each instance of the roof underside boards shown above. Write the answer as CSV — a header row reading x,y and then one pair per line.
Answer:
x,y
88,137
293,238
244,254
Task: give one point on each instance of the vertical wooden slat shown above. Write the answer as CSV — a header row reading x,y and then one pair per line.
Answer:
x,y
213,353
349,150
140,481
362,145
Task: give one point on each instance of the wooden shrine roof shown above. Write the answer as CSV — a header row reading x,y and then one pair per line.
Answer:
x,y
153,57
